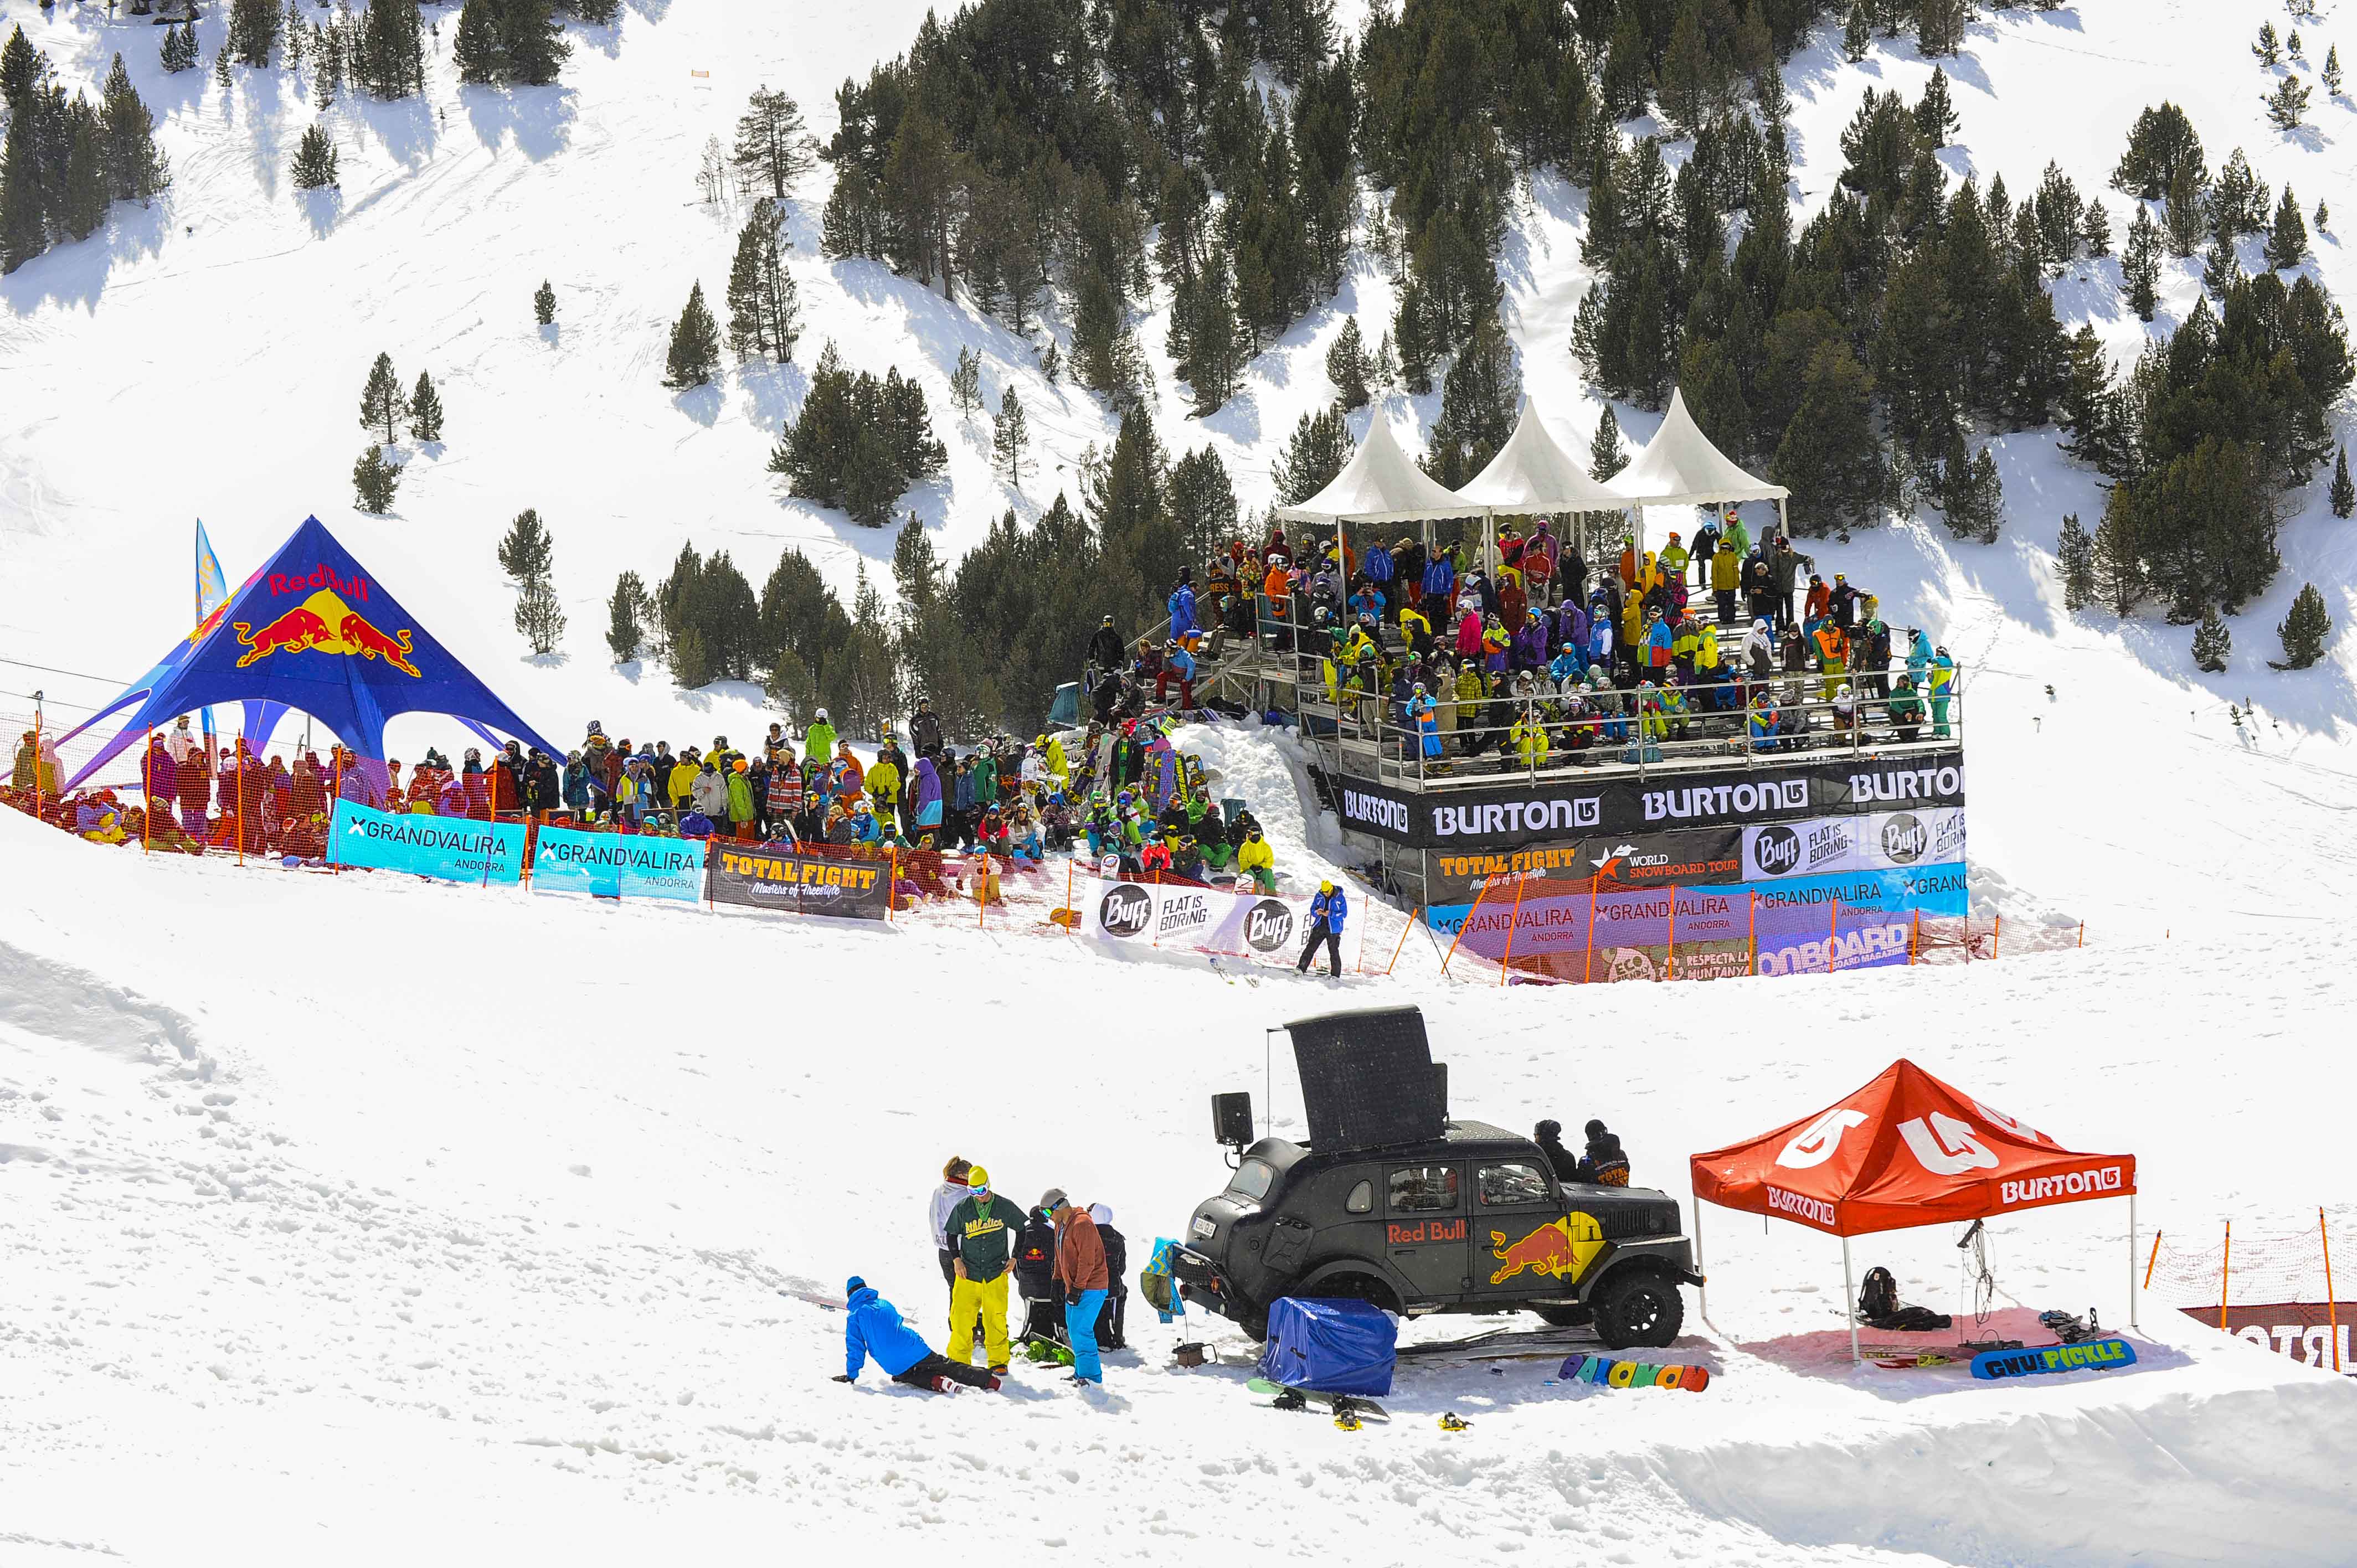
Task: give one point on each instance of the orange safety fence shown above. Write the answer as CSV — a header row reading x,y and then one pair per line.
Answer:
x,y
2271,1284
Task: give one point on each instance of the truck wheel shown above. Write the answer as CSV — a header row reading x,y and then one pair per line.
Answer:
x,y
1254,1322
1565,1316
1638,1307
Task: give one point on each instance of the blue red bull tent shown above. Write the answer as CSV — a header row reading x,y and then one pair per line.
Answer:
x,y
314,632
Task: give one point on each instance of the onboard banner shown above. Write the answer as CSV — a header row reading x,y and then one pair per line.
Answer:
x,y
1511,813
1263,927
454,849
758,877
618,865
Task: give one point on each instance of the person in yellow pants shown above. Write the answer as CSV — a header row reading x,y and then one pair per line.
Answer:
x,y
981,1232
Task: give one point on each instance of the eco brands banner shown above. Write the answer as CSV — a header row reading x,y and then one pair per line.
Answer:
x,y
1510,814
797,883
618,865
454,849
1267,928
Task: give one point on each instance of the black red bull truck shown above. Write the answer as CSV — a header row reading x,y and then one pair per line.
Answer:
x,y
1393,1202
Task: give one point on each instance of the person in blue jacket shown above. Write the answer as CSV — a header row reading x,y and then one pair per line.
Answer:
x,y
872,1330
1327,913
1182,603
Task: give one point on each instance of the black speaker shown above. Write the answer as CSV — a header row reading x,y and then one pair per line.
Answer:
x,y
1368,1078
1232,1120
1440,1087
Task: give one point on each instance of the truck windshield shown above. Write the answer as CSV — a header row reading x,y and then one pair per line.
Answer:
x,y
1252,1181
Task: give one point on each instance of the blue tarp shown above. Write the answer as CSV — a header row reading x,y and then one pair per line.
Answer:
x,y
1332,1346
314,632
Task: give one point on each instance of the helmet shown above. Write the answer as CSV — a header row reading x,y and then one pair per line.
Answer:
x,y
1545,1130
977,1180
1326,886
821,715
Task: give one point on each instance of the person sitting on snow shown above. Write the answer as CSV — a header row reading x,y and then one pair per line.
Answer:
x,y
872,1330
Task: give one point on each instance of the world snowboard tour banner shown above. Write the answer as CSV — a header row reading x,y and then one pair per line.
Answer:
x,y
1511,814
616,865
1263,926
759,878
452,849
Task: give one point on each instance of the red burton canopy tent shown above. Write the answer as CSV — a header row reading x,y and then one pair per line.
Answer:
x,y
1905,1150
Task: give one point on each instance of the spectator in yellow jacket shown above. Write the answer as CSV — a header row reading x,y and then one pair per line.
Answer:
x,y
1256,860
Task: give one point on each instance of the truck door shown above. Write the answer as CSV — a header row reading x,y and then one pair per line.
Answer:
x,y
1424,1229
1526,1245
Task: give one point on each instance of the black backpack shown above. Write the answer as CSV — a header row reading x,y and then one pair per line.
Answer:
x,y
1116,1252
1035,1258
1879,1297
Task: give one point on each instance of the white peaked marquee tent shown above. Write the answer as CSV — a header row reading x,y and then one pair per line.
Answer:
x,y
1679,466
1533,475
1379,484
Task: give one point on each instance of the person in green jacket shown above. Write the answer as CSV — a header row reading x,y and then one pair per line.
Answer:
x,y
985,779
740,800
981,1232
819,741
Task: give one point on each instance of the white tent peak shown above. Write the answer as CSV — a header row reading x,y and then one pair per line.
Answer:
x,y
1379,484
1679,466
1532,473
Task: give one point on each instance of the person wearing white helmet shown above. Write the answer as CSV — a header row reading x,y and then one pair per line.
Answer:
x,y
819,741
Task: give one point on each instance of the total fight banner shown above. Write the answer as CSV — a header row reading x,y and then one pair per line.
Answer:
x,y
452,849
618,865
1510,814
1263,926
759,878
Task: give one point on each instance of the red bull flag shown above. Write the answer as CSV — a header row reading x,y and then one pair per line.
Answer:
x,y
312,630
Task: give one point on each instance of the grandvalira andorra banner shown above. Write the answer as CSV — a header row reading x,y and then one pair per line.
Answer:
x,y
757,877
453,849
616,865
1263,927
1512,813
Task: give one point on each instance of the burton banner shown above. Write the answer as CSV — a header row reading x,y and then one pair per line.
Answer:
x,y
618,865
453,849
755,877
1261,927
1512,813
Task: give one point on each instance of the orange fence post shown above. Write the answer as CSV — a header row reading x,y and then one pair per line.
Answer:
x,y
892,892
2225,1273
2082,934
1914,934
1751,936
37,762
1507,963
1470,910
1833,936
1670,950
1402,941
1996,937
1588,968
241,796
147,785
2331,1311
2149,1261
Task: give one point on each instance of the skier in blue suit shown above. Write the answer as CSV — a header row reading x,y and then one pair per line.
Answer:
x,y
872,1330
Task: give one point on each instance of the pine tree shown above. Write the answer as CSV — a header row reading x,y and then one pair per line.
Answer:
x,y
24,227
1939,25
2222,266
2287,104
2332,72
1935,113
531,41
1605,458
86,193
424,410
481,54
135,170
2211,642
539,617
1830,458
544,304
695,353
2140,265
382,404
315,159
374,480
2269,52
625,628
1857,33
297,31
180,52
2076,563
772,148
2096,230
966,383
2287,242
527,550
1202,503
1051,363
1318,448
2323,219
1008,437
2344,494
2293,47
252,30
2305,631
221,67
1347,366
2118,561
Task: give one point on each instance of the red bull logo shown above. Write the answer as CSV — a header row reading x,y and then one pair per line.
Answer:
x,y
1561,1249
323,624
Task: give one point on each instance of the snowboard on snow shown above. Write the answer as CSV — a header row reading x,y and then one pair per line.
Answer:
x,y
1615,1374
1341,1405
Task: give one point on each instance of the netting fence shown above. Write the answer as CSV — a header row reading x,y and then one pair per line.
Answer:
x,y
2270,1284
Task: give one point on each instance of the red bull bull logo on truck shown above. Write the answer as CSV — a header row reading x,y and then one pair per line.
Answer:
x,y
1561,1249
323,623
